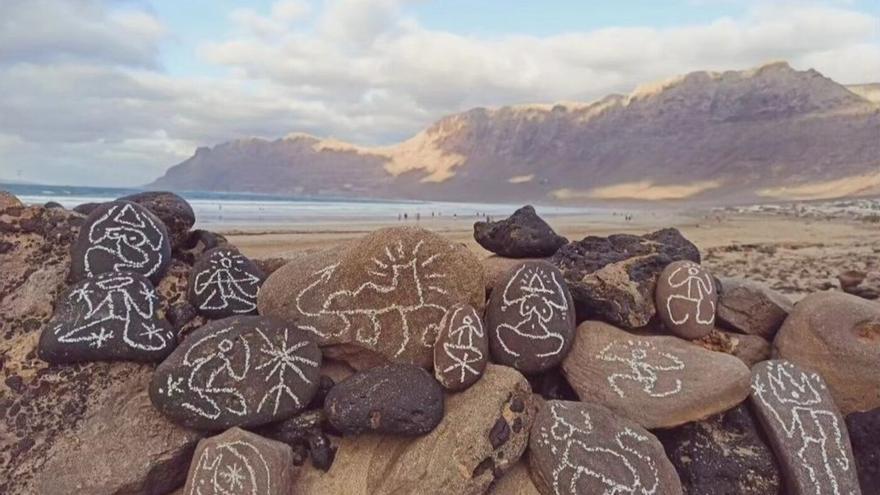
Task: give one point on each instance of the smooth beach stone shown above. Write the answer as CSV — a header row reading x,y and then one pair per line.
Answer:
x,y
113,316
239,371
522,235
837,335
224,283
9,200
864,433
751,308
686,299
657,381
174,211
121,237
530,318
805,429
462,348
238,462
750,349
578,448
399,399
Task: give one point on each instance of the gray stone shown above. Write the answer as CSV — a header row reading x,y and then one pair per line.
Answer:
x,y
223,282
686,299
462,348
174,211
751,308
864,432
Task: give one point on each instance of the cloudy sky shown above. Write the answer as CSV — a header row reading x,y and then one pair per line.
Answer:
x,y
112,92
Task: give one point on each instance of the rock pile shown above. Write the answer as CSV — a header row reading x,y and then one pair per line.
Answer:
x,y
613,365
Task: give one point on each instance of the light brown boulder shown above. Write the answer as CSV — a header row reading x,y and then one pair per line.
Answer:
x,y
751,349
8,200
751,307
515,482
657,381
837,335
484,433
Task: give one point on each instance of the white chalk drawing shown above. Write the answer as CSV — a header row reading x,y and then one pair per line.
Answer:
x,y
400,288
698,288
644,365
129,238
112,303
587,465
226,285
539,298
217,365
793,400
461,348
231,468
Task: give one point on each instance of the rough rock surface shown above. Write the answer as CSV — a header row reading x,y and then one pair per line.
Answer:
x,y
462,348
864,432
240,462
401,399
530,318
174,211
613,278
723,454
197,243
751,307
750,349
686,299
837,335
863,284
239,371
517,481
522,235
578,448
805,429
86,208
223,282
8,200
483,433
659,382
496,267
382,299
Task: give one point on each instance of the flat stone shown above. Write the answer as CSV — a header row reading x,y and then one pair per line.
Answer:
x,y
174,211
381,299
530,318
400,399
239,462
239,371
751,307
522,235
582,448
223,282
121,237
462,348
805,429
722,455
837,335
113,316
864,433
657,381
613,278
686,299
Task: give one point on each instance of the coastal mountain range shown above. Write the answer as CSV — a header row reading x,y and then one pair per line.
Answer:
x,y
764,134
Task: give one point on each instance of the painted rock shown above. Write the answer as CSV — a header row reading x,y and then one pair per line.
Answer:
x,y
751,308
530,318
462,348
239,462
400,399
864,432
174,211
239,371
686,299
224,283
121,237
523,235
380,299
837,335
723,454
578,448
657,381
113,316
805,429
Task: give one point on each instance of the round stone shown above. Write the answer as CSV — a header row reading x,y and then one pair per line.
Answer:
x,y
224,283
686,299
530,318
462,348
174,211
121,237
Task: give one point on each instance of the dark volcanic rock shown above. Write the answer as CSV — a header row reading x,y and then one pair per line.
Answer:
x,y
723,455
239,371
864,432
613,278
224,283
686,299
174,211
113,316
53,205
523,235
805,429
197,243
462,348
86,208
530,318
399,399
121,237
